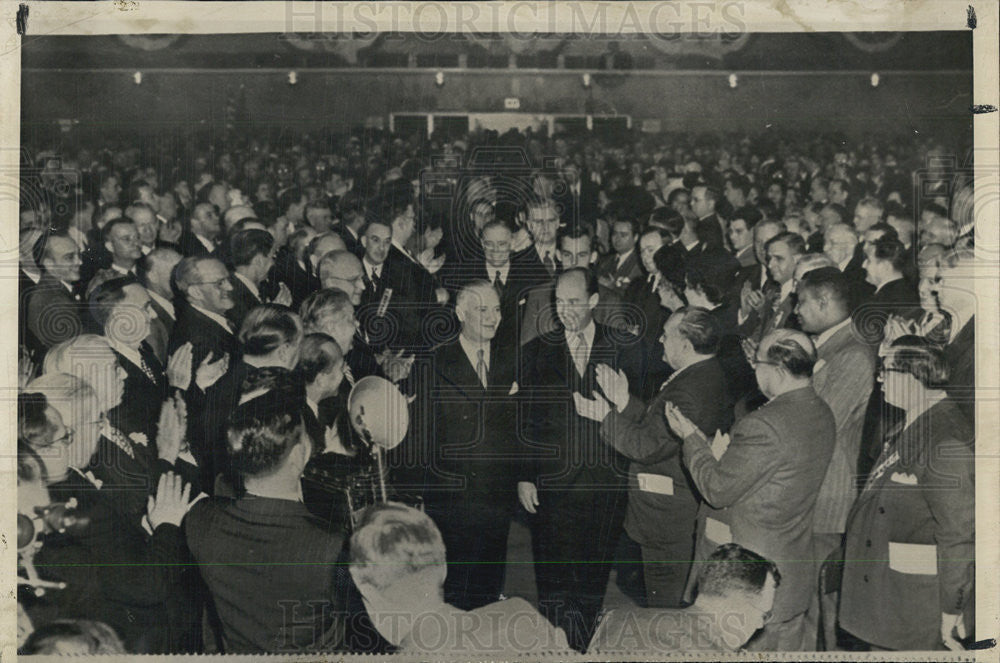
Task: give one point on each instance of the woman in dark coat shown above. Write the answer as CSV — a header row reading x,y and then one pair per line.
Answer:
x,y
910,542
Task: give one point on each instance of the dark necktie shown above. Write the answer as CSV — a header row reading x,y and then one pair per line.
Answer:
x,y
498,283
550,264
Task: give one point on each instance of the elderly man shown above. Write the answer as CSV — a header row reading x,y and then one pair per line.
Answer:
x,y
662,504
121,239
760,490
957,292
343,270
155,272
146,224
54,312
761,312
397,561
204,231
207,288
736,589
473,451
578,494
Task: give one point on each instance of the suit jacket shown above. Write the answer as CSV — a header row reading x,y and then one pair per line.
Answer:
x,y
205,335
642,304
630,270
112,572
473,449
54,314
843,377
746,256
189,246
961,357
563,450
301,283
762,493
159,334
244,301
142,397
407,303
860,287
575,208
897,297
658,516
910,540
353,243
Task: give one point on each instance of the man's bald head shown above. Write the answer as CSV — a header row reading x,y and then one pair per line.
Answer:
x,y
342,270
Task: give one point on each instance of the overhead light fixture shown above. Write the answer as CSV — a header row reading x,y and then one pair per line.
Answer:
x,y
586,80
137,77
293,78
734,80
875,80
439,79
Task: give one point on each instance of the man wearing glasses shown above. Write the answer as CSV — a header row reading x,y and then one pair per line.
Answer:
x,y
208,293
760,489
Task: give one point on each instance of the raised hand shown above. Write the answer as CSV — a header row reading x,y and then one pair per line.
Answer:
x,y
209,373
395,366
720,444
678,422
179,367
527,494
594,409
172,501
614,384
171,429
284,296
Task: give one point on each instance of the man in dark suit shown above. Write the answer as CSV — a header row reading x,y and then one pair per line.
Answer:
x,y
577,198
292,266
54,311
352,220
617,270
759,486
123,309
756,274
662,504
571,481
207,288
894,294
741,234
472,453
710,224
155,272
840,243
202,237
761,312
251,253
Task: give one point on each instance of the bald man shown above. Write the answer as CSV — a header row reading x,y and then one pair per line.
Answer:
x,y
342,270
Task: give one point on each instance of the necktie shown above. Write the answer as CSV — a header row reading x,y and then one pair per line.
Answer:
x,y
375,279
481,369
550,264
497,283
348,375
580,356
145,368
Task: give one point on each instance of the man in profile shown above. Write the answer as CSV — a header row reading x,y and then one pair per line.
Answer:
x,y
735,595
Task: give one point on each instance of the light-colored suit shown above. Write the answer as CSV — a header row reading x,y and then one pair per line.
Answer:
x,y
762,493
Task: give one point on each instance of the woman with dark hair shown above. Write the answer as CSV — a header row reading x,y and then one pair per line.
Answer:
x,y
910,543
670,261
270,567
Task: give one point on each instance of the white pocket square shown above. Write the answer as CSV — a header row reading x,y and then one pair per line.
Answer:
x,y
513,389
522,302
819,364
904,478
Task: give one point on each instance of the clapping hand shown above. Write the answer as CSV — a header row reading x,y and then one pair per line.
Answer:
x,y
750,300
284,296
952,625
594,409
179,367
680,424
720,444
395,366
172,501
614,384
749,350
209,373
171,429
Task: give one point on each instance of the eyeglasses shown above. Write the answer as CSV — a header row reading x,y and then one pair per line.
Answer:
x,y
882,370
66,439
215,284
755,362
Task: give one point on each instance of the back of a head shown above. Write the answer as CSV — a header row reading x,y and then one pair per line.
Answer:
x,y
733,568
699,327
318,354
246,244
265,426
322,303
73,636
266,328
790,350
831,283
393,541
76,355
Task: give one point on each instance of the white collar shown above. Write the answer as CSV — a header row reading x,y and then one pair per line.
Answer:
x,y
689,247
472,350
491,272
34,275
164,303
887,283
207,243
313,406
786,289
623,257
588,333
921,405
146,250
402,250
843,265
131,354
826,335
371,269
220,319
249,284
541,251
122,270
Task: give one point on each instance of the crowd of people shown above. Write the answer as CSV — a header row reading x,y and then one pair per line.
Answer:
x,y
748,359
